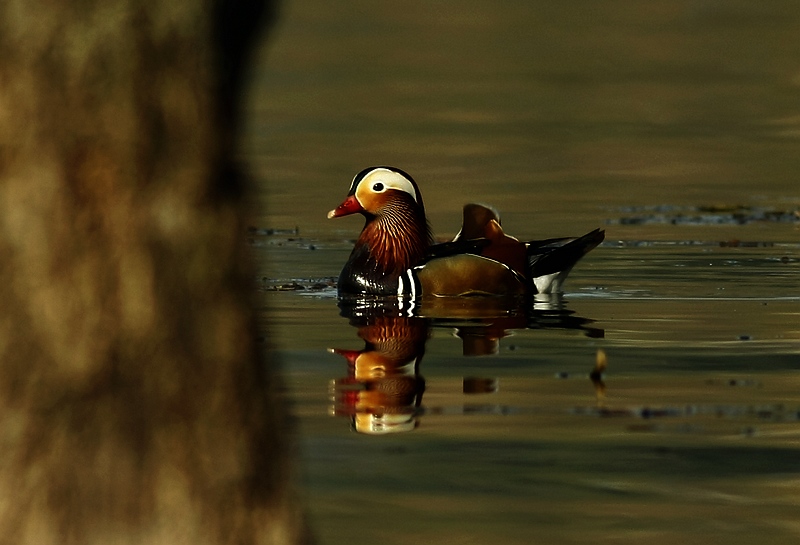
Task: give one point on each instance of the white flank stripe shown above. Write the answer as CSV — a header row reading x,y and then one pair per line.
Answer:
x,y
412,283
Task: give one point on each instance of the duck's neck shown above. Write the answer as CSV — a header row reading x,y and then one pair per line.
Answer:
x,y
396,240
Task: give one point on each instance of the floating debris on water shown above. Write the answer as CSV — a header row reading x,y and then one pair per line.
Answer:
x,y
600,366
736,243
292,286
263,231
260,237
734,382
704,215
302,284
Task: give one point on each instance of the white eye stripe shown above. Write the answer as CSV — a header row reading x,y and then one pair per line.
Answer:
x,y
388,179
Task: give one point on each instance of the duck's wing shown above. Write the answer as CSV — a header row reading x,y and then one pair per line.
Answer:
x,y
551,260
468,274
546,245
455,247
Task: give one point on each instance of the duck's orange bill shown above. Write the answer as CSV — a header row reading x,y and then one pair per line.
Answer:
x,y
349,206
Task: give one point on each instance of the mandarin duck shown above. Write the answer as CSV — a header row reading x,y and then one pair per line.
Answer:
x,y
395,253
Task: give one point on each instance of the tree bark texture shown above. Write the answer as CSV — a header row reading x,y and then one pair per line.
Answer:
x,y
135,406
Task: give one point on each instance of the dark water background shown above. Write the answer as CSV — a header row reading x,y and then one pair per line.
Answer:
x,y
676,127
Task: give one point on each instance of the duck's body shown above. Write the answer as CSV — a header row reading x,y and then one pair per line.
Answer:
x,y
395,255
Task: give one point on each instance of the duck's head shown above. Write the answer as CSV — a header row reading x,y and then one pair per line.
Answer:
x,y
379,191
395,236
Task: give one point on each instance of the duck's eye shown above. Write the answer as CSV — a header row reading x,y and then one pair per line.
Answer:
x,y
377,187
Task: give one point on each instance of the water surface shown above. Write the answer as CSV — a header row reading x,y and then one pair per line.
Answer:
x,y
675,127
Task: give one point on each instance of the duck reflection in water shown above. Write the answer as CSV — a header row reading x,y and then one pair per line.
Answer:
x,y
382,392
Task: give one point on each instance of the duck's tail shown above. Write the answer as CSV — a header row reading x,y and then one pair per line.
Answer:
x,y
551,260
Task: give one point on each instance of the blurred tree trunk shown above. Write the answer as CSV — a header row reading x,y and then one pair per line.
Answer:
x,y
134,405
